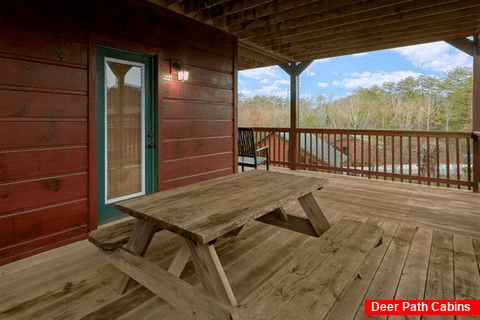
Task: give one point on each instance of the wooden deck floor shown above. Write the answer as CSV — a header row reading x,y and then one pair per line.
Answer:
x,y
430,250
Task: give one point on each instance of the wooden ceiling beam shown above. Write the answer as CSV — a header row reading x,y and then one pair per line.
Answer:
x,y
295,68
465,45
376,17
425,26
174,5
381,43
307,14
365,44
191,7
350,25
217,12
454,32
375,44
240,20
251,56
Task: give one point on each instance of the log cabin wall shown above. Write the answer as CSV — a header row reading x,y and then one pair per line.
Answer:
x,y
48,162
196,118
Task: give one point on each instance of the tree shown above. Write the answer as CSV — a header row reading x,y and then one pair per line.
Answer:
x,y
461,105
423,103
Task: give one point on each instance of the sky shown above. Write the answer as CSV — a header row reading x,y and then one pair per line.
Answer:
x,y
338,77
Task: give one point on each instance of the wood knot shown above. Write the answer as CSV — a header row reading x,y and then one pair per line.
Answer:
x,y
54,184
68,287
60,55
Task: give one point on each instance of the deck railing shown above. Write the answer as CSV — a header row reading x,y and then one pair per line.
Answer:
x,y
441,158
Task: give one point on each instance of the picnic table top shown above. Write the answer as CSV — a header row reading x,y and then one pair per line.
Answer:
x,y
207,210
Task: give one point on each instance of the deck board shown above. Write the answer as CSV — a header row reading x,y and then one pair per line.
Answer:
x,y
431,246
385,282
351,300
440,270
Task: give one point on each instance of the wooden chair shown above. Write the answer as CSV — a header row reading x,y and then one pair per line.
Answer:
x,y
247,154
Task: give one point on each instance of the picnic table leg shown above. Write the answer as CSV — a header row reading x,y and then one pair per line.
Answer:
x,y
180,260
316,216
211,273
138,243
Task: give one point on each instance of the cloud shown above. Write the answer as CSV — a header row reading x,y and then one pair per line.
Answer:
x,y
359,54
264,81
283,81
246,92
369,79
274,89
436,56
325,60
278,88
260,74
322,85
309,71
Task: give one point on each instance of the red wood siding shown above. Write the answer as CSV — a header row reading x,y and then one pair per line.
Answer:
x,y
180,148
198,141
43,144
196,117
196,120
48,157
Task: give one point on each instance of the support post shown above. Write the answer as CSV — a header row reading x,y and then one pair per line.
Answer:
x,y
473,48
294,69
476,114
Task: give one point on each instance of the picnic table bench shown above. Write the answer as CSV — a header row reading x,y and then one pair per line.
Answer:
x,y
206,211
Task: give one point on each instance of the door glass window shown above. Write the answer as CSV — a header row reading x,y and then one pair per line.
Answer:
x,y
124,129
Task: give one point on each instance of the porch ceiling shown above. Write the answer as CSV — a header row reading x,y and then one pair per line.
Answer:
x,y
279,31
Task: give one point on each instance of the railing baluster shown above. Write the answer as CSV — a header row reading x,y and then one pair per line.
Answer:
x,y
341,152
385,157
369,155
329,164
401,157
311,148
393,157
457,154
362,163
418,159
437,145
278,150
376,155
299,151
335,155
348,151
428,159
355,152
323,153
447,158
469,162
410,157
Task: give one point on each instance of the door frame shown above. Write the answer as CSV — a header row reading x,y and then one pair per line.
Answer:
x,y
149,122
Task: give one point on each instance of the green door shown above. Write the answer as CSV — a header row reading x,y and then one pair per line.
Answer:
x,y
126,130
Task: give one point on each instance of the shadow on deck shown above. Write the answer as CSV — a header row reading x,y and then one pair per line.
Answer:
x,y
429,251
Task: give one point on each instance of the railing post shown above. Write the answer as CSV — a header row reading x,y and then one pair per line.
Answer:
x,y
294,69
476,161
476,115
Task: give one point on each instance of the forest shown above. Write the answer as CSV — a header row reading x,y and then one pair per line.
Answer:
x,y
423,103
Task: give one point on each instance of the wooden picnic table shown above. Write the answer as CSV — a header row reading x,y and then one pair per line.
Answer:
x,y
201,213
